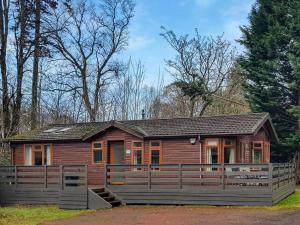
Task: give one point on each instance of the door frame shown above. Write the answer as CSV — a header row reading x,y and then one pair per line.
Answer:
x,y
111,155
111,150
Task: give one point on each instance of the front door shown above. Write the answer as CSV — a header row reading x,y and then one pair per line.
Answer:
x,y
116,156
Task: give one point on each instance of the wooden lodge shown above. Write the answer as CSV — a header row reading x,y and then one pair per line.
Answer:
x,y
219,160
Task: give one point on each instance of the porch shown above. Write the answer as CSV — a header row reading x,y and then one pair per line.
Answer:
x,y
209,184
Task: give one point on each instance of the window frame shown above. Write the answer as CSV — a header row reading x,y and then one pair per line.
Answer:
x,y
232,146
33,150
133,149
261,149
97,149
155,148
207,146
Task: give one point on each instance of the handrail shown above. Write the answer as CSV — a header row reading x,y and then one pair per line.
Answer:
x,y
54,176
223,176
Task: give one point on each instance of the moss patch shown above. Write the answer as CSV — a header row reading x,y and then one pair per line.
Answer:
x,y
32,215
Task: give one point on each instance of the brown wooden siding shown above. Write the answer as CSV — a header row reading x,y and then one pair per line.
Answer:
x,y
174,150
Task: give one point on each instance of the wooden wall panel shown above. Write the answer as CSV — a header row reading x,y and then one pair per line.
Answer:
x,y
18,155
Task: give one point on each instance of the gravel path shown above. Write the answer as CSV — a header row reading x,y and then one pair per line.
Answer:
x,y
183,215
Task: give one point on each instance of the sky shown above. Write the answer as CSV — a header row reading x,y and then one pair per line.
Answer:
x,y
210,17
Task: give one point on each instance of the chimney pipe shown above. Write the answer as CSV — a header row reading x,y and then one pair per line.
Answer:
x,y
143,114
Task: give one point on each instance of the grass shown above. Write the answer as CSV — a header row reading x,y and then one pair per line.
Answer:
x,y
32,215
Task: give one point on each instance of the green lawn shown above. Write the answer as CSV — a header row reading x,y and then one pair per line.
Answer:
x,y
32,215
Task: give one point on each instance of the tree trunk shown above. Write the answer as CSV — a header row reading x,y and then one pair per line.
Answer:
x,y
35,73
20,70
192,107
5,95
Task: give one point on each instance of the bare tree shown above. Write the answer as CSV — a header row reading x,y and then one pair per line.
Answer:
x,y
4,29
201,66
88,38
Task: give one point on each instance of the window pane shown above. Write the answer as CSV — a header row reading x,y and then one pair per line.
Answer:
x,y
155,157
257,156
37,147
137,157
228,155
97,145
155,143
229,142
212,142
47,155
38,158
212,155
28,155
137,144
257,145
97,156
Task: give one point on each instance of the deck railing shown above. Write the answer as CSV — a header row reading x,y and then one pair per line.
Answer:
x,y
203,176
56,177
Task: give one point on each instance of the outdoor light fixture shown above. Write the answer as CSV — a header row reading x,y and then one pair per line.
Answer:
x,y
193,141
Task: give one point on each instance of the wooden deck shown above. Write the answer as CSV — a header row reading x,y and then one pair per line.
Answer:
x,y
218,184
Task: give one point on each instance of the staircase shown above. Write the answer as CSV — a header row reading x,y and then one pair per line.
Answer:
x,y
100,198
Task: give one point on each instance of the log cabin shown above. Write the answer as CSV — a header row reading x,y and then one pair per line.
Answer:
x,y
243,139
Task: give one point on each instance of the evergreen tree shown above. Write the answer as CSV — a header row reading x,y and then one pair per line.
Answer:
x,y
271,67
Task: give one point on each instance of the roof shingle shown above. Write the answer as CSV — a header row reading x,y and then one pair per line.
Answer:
x,y
213,125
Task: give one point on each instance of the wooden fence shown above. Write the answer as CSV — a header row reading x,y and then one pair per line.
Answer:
x,y
218,184
64,185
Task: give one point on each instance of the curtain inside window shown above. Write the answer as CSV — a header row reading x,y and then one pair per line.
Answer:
x,y
28,155
47,155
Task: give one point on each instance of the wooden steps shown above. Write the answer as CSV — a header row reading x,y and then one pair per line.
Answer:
x,y
100,198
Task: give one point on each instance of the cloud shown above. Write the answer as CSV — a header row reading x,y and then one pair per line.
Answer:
x,y
204,3
244,7
137,42
231,30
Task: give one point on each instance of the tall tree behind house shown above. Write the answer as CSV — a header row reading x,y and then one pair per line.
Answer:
x,y
88,38
4,30
201,66
40,42
270,66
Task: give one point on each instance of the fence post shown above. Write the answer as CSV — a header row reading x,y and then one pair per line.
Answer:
x,y
180,175
149,176
61,177
46,174
284,177
271,176
223,176
278,175
105,175
86,175
16,176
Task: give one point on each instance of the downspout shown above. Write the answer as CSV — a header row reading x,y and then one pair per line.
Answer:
x,y
200,156
200,149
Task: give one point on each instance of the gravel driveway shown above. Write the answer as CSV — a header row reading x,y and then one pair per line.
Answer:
x,y
183,215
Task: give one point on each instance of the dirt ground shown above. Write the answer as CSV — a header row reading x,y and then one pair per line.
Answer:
x,y
183,215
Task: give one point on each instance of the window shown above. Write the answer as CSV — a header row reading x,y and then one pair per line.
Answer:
x,y
257,156
97,152
28,156
137,153
212,155
155,152
212,151
229,151
37,155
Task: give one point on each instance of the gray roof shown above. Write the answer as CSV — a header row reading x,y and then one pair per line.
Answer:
x,y
212,125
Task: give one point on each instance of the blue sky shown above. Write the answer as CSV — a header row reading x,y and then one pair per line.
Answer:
x,y
211,17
